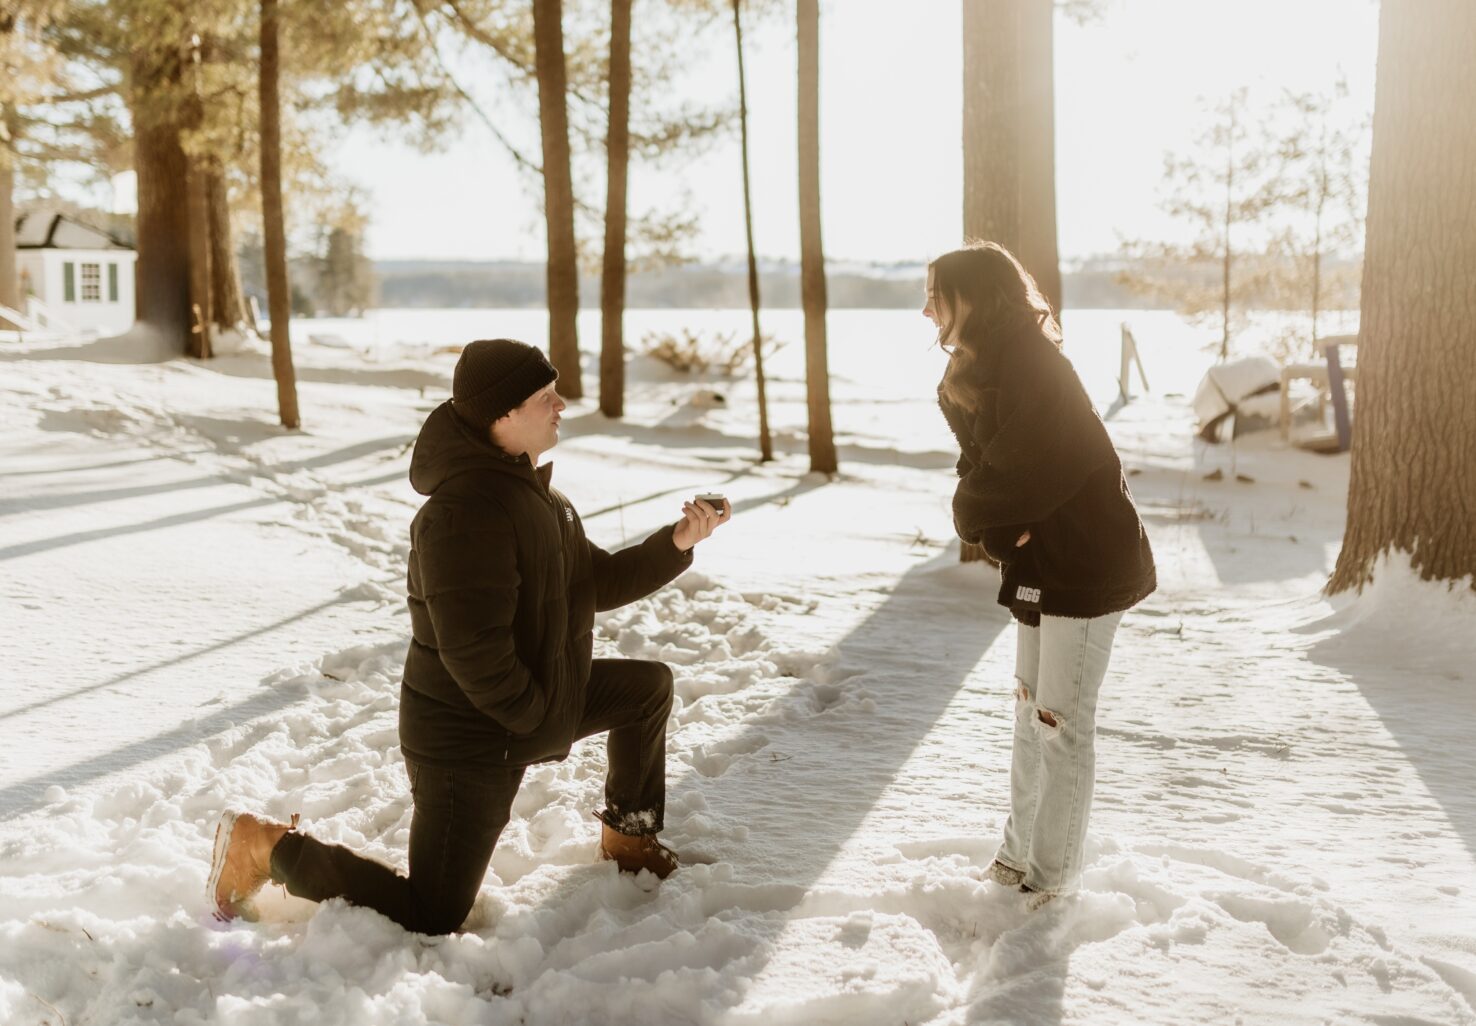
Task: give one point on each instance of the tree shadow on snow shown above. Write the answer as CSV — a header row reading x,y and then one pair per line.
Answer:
x,y
27,795
1427,709
681,432
405,378
123,678
1253,532
65,500
187,517
911,657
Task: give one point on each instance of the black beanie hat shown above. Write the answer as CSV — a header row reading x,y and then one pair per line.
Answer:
x,y
495,376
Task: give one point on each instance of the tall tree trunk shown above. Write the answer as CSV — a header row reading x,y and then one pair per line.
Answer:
x,y
991,134
1322,191
1228,257
202,321
227,299
558,191
9,282
991,121
612,280
766,444
274,235
1413,488
162,272
812,252
1038,245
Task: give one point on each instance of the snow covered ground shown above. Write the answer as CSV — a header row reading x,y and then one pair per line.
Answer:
x,y
201,610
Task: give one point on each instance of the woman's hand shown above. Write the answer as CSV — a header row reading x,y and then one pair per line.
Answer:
x,y
1023,539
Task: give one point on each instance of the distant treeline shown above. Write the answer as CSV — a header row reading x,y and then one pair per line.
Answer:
x,y
1092,284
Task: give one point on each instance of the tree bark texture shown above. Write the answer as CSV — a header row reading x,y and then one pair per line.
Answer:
x,y
1413,484
766,444
558,191
1038,248
1227,263
227,299
1009,133
991,121
612,279
992,142
274,235
202,320
9,281
812,252
162,271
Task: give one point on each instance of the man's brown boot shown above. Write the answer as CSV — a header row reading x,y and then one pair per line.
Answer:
x,y
633,853
242,862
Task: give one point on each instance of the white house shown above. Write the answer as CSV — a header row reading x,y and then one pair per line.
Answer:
x,y
83,276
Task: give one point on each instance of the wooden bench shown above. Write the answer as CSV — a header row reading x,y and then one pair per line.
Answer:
x,y
1328,378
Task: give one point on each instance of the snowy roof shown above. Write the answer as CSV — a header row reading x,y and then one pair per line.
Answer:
x,y
50,230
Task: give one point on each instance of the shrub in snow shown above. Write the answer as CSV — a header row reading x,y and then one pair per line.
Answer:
x,y
693,352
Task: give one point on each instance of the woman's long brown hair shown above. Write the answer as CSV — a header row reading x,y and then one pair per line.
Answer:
x,y
997,298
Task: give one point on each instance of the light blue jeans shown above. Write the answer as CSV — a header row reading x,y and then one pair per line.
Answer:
x,y
1059,667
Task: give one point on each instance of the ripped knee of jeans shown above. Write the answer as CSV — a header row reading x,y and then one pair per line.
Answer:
x,y
1047,724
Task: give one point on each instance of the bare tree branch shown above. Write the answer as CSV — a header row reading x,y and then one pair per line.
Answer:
x,y
476,108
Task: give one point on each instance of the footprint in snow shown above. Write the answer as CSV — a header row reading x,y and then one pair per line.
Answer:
x,y
715,759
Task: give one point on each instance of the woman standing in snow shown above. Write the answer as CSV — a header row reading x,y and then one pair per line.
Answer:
x,y
1041,489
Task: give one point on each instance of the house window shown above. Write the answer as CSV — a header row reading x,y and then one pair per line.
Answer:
x,y
92,283
112,283
69,282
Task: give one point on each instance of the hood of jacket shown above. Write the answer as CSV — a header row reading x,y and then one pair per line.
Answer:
x,y
448,447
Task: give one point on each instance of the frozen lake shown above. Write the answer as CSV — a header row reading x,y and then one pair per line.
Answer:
x,y
883,350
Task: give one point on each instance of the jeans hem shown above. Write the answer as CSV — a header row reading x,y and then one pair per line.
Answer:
x,y
645,823
284,854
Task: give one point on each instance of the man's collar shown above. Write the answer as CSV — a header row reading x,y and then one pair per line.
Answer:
x,y
523,461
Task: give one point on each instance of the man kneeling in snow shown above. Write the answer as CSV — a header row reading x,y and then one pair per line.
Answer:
x,y
503,588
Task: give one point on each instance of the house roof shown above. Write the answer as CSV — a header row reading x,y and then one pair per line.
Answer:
x,y
50,230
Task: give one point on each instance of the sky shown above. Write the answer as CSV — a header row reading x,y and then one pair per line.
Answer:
x,y
1130,86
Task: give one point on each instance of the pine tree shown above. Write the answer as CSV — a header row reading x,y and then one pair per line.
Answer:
x,y
558,186
156,90
991,121
992,133
274,233
9,283
766,444
812,252
1038,247
612,278
1412,494
227,299
366,61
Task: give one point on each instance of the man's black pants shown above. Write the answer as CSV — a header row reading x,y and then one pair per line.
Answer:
x,y
459,813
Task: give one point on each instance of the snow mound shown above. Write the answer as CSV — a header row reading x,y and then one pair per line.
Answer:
x,y
1398,610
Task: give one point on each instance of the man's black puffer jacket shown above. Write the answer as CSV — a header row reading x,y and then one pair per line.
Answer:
x,y
1035,456
503,587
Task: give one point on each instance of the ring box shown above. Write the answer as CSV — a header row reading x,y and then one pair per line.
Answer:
x,y
716,500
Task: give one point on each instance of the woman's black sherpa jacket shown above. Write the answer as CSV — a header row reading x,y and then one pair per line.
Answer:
x,y
503,589
1035,456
